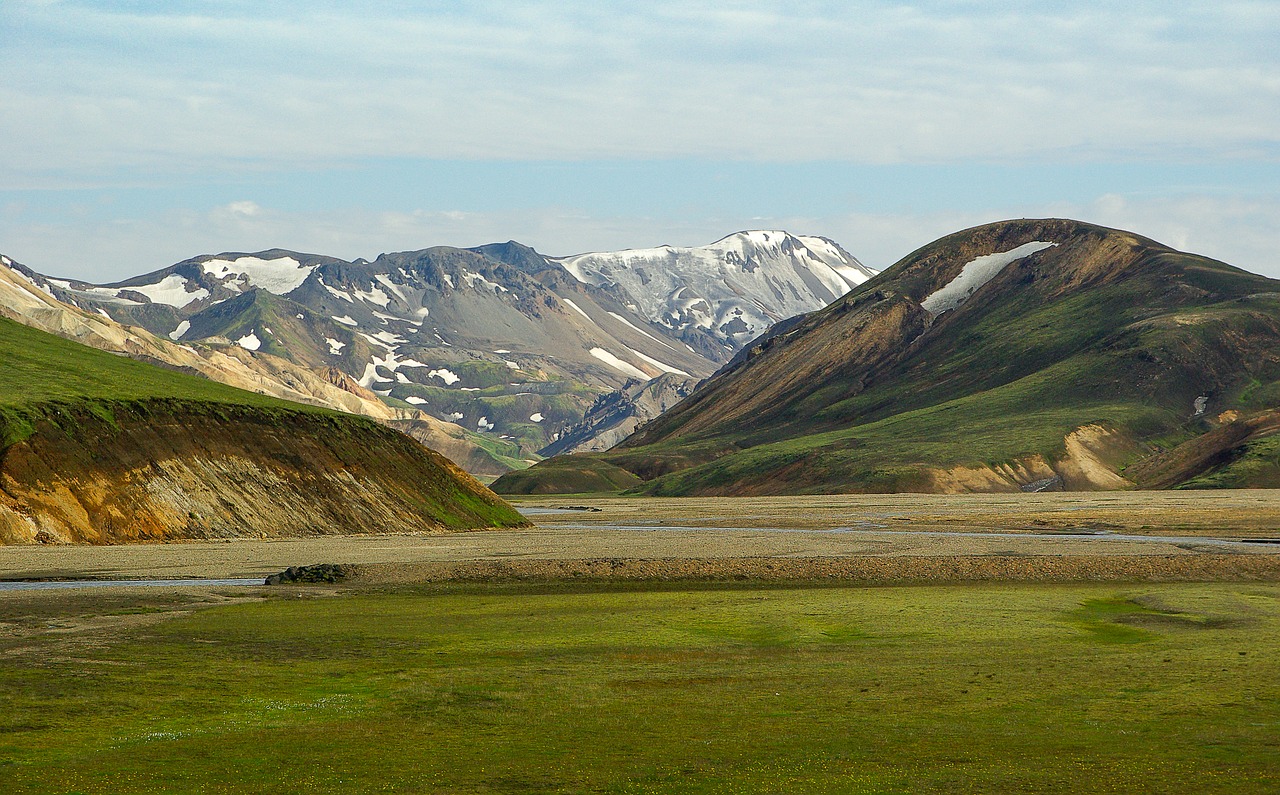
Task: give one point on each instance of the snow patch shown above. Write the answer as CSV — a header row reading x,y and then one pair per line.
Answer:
x,y
346,320
536,417
249,342
374,296
335,346
388,338
457,415
370,375
444,374
473,278
1200,404
171,290
336,293
511,364
182,328
415,400
577,309
618,364
622,319
392,286
279,276
375,341
666,368
483,424
975,274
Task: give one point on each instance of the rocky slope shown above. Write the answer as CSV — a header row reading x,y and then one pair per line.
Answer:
x,y
499,339
97,448
1030,354
616,415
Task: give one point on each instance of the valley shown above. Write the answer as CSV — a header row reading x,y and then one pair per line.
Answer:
x,y
879,536
703,685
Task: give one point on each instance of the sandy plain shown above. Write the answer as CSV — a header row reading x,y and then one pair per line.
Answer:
x,y
1065,536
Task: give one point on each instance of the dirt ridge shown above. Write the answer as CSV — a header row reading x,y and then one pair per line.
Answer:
x,y
866,569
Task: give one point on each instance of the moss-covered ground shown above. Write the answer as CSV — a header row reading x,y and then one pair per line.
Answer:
x,y
648,688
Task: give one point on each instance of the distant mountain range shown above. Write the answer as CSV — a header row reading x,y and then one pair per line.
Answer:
x,y
1023,355
509,346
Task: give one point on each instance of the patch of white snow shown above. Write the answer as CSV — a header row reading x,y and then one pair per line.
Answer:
x,y
444,374
182,328
171,290
975,274
346,320
666,368
618,317
536,417
249,342
279,276
578,309
392,286
618,364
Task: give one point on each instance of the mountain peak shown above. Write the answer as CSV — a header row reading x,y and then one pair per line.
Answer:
x,y
704,286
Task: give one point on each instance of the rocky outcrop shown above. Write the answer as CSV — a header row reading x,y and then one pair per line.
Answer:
x,y
616,415
157,470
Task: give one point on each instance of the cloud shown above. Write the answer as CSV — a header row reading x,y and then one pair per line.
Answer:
x,y
92,88
241,209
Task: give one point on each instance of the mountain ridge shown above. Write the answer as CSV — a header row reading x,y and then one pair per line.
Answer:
x,y
489,338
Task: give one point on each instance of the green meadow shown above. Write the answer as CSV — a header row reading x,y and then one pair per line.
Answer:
x,y
578,688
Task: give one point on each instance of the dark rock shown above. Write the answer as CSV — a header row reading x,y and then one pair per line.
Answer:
x,y
319,573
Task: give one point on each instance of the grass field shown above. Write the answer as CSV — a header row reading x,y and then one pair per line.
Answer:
x,y
614,688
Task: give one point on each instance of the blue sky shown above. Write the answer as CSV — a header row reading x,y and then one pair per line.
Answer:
x,y
140,133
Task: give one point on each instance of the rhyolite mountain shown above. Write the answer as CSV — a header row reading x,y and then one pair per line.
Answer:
x,y
100,448
499,339
26,299
1027,354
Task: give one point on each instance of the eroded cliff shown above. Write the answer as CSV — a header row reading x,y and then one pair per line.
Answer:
x,y
106,472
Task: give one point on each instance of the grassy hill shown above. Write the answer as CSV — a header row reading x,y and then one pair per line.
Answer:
x,y
101,448
1088,363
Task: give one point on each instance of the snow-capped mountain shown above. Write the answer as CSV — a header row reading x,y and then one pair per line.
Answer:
x,y
499,339
734,288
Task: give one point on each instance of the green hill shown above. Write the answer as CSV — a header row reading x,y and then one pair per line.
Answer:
x,y
1083,358
100,448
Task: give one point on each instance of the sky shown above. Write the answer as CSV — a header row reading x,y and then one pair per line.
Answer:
x,y
138,134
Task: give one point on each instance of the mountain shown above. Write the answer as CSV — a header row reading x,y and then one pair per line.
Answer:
x,y
1028,354
499,339
616,415
100,448
30,299
733,289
